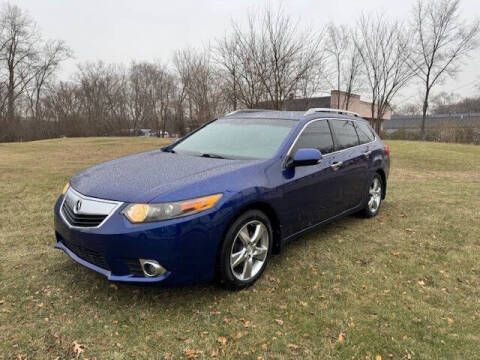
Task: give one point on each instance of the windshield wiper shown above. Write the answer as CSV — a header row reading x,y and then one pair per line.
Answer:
x,y
170,151
215,156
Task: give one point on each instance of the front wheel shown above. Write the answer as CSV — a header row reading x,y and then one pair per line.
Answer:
x,y
374,197
245,250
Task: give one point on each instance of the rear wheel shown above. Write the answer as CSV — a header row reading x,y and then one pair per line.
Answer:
x,y
245,250
374,197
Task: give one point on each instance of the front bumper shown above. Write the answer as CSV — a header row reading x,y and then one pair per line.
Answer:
x,y
186,247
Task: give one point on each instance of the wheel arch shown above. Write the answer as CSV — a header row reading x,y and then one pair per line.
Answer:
x,y
384,181
269,211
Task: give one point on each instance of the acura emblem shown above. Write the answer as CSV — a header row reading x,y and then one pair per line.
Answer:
x,y
78,205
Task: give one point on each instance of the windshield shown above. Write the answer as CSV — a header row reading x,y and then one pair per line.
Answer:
x,y
237,139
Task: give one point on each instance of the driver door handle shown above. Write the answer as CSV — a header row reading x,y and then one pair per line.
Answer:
x,y
336,165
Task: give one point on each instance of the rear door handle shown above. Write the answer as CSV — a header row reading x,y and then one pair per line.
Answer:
x,y
336,165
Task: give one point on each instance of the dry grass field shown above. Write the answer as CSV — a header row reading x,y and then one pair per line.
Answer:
x,y
403,285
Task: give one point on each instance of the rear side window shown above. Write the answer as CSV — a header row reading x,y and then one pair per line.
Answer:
x,y
364,133
345,134
316,135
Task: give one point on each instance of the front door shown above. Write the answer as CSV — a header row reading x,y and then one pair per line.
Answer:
x,y
309,191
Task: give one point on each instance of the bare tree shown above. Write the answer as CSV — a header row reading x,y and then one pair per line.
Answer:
x,y
18,54
27,65
152,88
287,55
382,46
200,83
345,63
441,39
227,56
102,95
244,46
49,59
270,60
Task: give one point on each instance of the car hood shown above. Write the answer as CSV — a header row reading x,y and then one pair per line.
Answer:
x,y
140,178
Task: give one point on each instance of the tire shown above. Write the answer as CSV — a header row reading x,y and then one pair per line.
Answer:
x,y
245,250
373,197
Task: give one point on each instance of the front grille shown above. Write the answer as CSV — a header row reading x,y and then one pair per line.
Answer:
x,y
134,267
89,255
82,220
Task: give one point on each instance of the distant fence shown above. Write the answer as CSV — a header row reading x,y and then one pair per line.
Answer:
x,y
461,128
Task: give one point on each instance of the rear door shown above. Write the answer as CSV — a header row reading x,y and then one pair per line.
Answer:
x,y
349,163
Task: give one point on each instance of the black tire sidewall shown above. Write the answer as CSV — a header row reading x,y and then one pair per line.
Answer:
x,y
227,278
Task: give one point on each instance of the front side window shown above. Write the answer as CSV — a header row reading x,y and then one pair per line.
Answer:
x,y
316,135
364,133
345,134
237,138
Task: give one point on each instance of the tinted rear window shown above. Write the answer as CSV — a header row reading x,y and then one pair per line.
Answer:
x,y
315,136
364,133
345,134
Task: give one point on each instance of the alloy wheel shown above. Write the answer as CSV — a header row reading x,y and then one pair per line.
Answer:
x,y
375,195
249,250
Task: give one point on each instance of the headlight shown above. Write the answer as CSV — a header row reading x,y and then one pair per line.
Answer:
x,y
65,188
142,213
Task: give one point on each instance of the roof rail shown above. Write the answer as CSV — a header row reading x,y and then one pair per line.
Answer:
x,y
246,111
338,111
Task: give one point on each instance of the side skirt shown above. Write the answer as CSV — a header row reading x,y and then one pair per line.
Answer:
x,y
315,226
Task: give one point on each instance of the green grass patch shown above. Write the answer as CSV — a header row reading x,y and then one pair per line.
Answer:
x,y
403,285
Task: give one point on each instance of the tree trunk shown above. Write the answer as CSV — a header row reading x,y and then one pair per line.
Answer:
x,y
11,99
424,113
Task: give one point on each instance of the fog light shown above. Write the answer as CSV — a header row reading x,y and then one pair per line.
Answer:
x,y
152,268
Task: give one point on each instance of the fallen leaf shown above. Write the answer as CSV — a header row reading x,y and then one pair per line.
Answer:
x,y
264,347
192,353
292,346
302,303
279,322
113,286
450,320
341,337
246,324
222,340
378,357
77,349
421,283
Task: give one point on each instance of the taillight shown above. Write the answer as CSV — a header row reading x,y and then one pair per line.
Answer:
x,y
387,149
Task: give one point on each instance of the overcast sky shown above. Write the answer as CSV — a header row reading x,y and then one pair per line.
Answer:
x,y
121,31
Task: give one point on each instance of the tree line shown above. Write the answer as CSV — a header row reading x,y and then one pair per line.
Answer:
x,y
263,63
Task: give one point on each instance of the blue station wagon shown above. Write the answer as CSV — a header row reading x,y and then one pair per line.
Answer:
x,y
217,203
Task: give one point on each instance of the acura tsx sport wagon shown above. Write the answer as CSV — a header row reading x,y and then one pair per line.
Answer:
x,y
217,203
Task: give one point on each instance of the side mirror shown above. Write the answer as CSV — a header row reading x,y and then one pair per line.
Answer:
x,y
304,157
